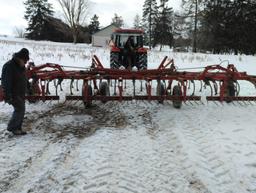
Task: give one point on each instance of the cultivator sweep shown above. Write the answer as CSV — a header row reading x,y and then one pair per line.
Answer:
x,y
165,83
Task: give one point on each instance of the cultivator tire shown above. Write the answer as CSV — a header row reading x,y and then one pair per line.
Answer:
x,y
230,91
33,90
160,91
88,103
114,60
177,92
143,61
104,90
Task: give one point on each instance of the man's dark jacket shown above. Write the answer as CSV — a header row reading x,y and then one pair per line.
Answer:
x,y
14,81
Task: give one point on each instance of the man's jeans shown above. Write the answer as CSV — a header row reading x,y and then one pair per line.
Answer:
x,y
16,120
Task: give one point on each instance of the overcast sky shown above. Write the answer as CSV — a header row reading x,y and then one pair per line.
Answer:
x,y
12,12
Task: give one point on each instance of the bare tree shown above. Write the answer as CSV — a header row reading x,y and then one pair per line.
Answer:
x,y
137,22
193,8
117,21
75,13
19,32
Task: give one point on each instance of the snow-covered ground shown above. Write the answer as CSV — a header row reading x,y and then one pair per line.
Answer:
x,y
135,146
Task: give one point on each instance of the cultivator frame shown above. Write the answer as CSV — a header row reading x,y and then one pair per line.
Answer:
x,y
97,81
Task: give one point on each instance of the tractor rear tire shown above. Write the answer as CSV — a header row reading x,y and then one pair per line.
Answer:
x,y
177,92
104,90
143,61
114,60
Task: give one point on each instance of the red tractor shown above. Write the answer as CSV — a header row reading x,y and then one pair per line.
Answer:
x,y
127,49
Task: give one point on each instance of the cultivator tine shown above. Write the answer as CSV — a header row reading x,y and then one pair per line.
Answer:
x,y
202,103
196,102
215,86
201,86
77,89
71,86
240,103
216,103
56,87
247,103
133,82
194,87
188,102
60,83
47,88
76,101
250,102
50,103
115,88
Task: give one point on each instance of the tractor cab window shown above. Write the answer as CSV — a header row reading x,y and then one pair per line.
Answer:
x,y
121,40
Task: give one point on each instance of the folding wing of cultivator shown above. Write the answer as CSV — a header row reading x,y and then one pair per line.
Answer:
x,y
165,83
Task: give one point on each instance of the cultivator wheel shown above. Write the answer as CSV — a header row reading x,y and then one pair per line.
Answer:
x,y
230,91
34,90
87,94
176,92
160,91
104,90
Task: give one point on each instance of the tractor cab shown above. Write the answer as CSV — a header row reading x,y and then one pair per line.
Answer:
x,y
127,49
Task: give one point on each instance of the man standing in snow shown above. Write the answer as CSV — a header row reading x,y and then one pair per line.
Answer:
x,y
14,83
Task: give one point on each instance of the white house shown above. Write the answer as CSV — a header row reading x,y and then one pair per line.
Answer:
x,y
102,37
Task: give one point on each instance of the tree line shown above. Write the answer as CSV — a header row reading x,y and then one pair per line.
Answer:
x,y
217,26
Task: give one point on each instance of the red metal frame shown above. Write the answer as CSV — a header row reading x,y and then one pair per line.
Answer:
x,y
42,74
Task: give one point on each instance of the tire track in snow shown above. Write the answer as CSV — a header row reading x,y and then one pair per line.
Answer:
x,y
207,163
131,160
58,142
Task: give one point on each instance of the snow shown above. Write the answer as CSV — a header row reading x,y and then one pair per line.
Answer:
x,y
133,146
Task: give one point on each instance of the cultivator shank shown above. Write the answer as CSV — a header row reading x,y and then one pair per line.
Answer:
x,y
165,83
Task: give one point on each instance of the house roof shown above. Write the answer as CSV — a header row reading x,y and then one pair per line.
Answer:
x,y
106,28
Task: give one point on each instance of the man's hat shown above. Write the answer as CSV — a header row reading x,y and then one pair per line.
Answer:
x,y
23,54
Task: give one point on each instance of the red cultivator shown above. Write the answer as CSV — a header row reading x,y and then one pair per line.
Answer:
x,y
99,83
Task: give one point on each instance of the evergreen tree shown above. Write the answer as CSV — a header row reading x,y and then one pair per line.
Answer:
x,y
149,18
37,12
117,21
163,31
216,25
230,25
94,24
243,26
